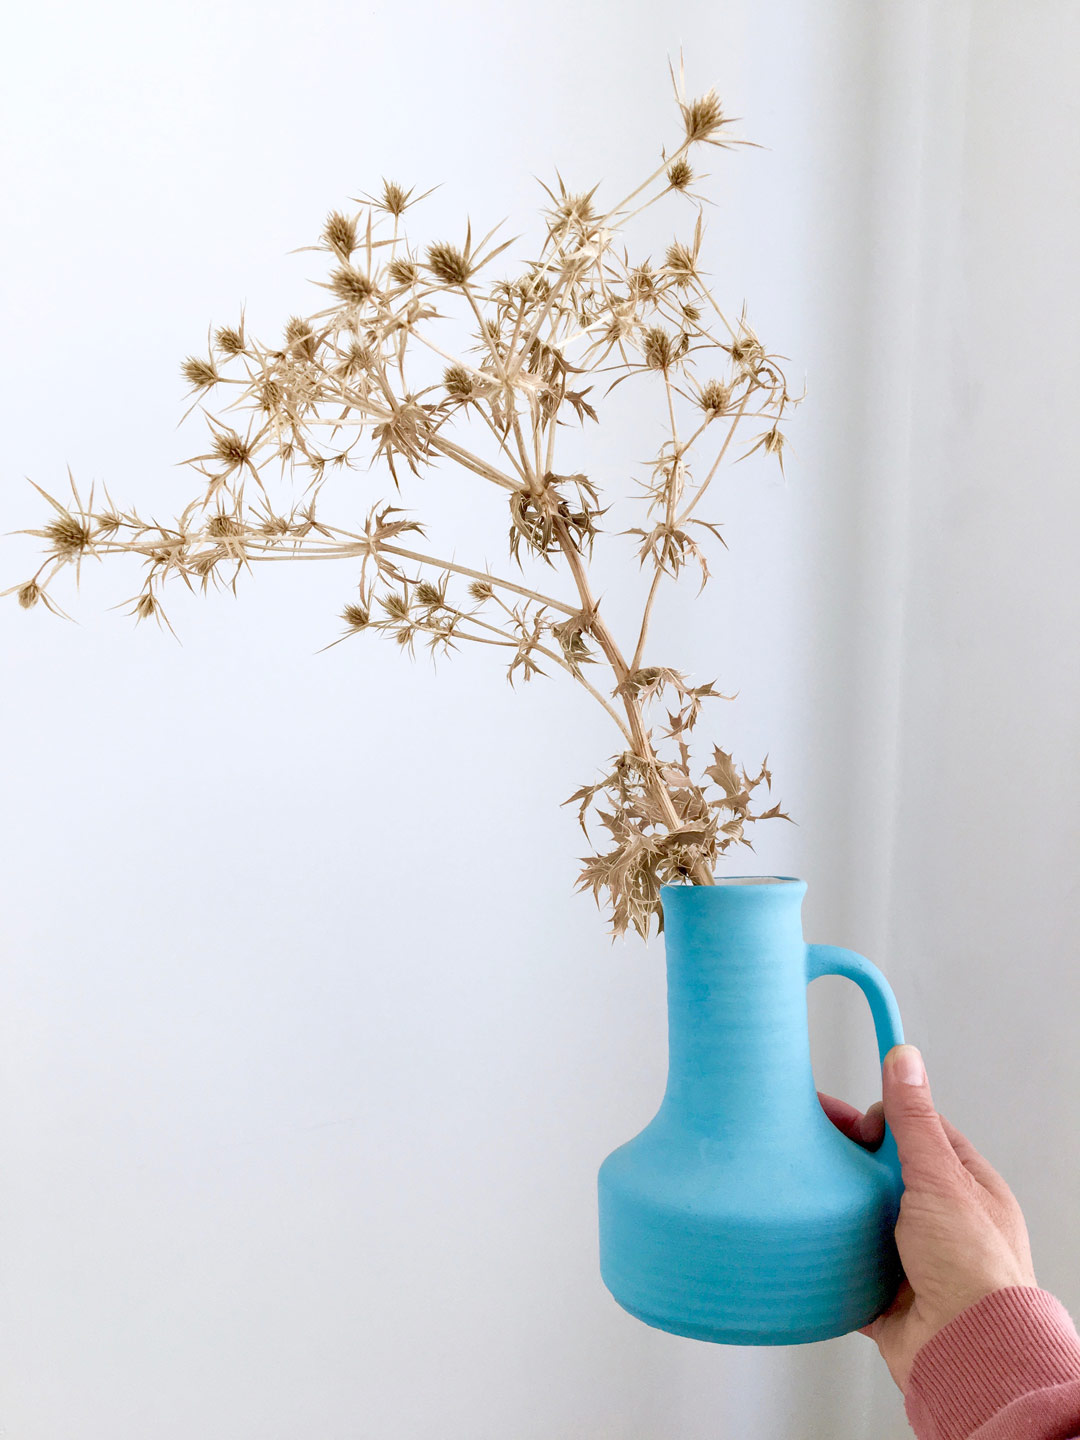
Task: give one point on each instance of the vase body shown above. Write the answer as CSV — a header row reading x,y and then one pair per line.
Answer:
x,y
740,1214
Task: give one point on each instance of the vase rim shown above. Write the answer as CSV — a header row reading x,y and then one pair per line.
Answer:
x,y
725,880
733,893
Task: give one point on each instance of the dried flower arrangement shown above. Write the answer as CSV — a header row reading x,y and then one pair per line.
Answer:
x,y
339,375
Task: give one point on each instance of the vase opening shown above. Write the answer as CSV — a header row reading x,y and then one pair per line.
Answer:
x,y
750,880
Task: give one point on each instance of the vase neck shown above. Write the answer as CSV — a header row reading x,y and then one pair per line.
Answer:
x,y
738,1035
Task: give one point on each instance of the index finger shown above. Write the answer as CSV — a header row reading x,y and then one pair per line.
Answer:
x,y
866,1130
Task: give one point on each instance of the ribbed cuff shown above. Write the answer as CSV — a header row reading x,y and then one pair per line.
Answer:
x,y
1008,1344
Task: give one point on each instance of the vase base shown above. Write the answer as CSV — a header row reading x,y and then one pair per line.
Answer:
x,y
718,1335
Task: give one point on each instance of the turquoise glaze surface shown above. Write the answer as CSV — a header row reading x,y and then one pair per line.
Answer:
x,y
740,1214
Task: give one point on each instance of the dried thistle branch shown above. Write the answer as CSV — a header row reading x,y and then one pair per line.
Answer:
x,y
538,348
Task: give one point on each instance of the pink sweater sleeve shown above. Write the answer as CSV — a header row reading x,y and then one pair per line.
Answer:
x,y
1007,1368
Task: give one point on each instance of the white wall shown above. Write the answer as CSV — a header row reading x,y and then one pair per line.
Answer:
x,y
309,1054
985,904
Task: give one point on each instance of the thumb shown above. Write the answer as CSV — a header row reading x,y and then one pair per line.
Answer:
x,y
926,1156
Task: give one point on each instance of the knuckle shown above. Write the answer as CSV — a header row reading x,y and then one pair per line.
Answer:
x,y
937,1174
918,1106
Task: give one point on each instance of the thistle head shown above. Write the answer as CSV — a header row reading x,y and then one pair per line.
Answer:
x,y
68,535
351,285
271,392
357,359
715,398
145,606
458,382
396,606
680,175
228,341
661,349
227,445
223,527
535,286
448,264
774,442
339,233
703,118
428,594
403,272
199,373
356,617
746,350
300,338
574,212
680,263
395,199
642,281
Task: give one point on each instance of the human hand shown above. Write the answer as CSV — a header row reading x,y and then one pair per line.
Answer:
x,y
961,1234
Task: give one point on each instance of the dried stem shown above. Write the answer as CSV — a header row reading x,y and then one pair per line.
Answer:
x,y
549,341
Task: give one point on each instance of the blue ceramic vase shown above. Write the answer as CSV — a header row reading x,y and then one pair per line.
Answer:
x,y
740,1214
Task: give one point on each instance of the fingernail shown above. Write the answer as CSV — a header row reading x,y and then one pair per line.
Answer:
x,y
907,1065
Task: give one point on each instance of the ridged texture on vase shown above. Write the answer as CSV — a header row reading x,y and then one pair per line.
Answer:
x,y
740,1214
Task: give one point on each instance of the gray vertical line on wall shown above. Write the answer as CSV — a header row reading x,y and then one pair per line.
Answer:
x,y
917,147
921,64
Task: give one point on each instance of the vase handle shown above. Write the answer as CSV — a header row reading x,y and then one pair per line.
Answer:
x,y
834,960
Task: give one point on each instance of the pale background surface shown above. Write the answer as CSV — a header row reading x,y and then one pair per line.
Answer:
x,y
308,1053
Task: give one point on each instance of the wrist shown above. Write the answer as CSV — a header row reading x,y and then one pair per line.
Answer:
x,y
1011,1341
